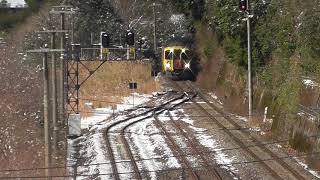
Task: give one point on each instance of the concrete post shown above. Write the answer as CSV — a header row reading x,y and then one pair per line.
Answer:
x,y
62,75
46,114
249,62
54,93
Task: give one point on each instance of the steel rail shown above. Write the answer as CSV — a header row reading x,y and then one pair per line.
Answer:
x,y
176,148
214,173
158,110
296,174
108,140
236,139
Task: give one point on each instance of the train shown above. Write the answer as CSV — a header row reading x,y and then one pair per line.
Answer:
x,y
178,60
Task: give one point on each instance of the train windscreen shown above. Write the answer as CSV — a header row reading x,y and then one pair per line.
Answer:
x,y
167,54
185,55
176,54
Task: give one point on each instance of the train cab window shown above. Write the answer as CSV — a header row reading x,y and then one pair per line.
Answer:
x,y
185,55
167,54
176,54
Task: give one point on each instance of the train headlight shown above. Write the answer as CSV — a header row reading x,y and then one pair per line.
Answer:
x,y
187,66
168,65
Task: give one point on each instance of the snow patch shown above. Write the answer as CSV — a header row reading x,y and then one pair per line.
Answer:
x,y
307,168
310,83
92,144
101,114
149,144
209,142
245,119
213,95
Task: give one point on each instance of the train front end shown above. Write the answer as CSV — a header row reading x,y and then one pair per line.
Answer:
x,y
176,60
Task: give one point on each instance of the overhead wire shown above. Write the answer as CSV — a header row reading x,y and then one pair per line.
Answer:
x,y
206,152
187,154
149,171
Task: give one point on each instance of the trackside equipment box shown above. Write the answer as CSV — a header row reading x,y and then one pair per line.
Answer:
x,y
74,122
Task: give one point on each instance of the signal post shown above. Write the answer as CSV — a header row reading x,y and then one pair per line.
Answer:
x,y
244,6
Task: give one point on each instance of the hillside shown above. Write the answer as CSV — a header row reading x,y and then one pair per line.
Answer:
x,y
21,102
285,53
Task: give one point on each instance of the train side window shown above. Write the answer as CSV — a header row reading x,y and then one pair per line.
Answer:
x,y
186,55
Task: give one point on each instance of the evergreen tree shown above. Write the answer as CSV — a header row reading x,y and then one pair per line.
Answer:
x,y
3,4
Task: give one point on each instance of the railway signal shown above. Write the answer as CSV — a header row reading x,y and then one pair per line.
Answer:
x,y
105,40
130,38
105,43
243,5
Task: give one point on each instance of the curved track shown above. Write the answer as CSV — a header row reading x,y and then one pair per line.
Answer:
x,y
126,144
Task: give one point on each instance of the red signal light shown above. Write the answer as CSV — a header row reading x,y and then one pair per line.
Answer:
x,y
243,6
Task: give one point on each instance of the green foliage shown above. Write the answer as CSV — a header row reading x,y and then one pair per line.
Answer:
x,y
301,142
286,101
225,18
309,32
33,5
310,62
10,17
195,8
209,48
285,43
96,16
3,3
234,51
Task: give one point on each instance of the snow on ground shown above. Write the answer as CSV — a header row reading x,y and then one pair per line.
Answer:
x,y
208,141
147,140
101,114
306,167
93,149
150,144
245,119
215,97
310,83
309,116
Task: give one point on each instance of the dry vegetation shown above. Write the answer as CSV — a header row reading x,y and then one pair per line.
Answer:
x,y
110,83
20,131
217,75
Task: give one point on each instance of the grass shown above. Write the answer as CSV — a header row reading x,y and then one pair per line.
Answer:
x,y
110,83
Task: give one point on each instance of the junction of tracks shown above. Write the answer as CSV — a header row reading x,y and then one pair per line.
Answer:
x,y
183,133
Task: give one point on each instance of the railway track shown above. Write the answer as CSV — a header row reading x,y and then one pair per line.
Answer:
x,y
178,152
257,142
145,115
194,146
309,111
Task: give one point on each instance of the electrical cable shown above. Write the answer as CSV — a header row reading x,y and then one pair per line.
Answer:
x,y
187,154
149,171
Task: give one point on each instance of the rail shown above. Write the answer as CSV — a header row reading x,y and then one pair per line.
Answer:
x,y
296,174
